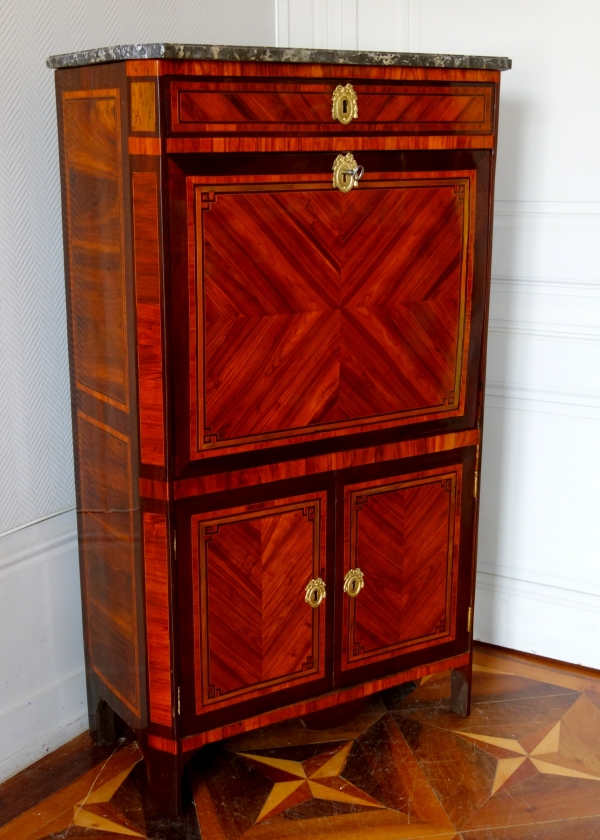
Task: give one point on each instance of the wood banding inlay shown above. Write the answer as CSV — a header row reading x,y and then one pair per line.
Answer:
x,y
156,567
149,320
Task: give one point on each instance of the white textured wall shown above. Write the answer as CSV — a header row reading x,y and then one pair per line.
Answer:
x,y
35,425
539,546
42,688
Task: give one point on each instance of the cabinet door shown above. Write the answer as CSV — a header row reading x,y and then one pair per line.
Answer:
x,y
252,637
408,529
316,314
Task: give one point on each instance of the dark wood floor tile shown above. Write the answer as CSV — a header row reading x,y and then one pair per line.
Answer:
x,y
313,753
460,774
237,789
374,825
542,798
384,754
129,799
521,666
508,659
488,686
502,719
587,828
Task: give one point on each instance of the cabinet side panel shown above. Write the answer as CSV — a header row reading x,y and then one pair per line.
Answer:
x,y
157,618
92,123
149,327
94,202
107,524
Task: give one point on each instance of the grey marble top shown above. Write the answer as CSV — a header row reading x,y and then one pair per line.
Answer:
x,y
276,54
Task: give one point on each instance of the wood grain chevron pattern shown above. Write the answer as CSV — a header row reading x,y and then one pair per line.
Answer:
x,y
356,313
403,534
206,106
256,561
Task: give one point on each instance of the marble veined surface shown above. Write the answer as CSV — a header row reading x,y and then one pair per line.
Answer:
x,y
125,52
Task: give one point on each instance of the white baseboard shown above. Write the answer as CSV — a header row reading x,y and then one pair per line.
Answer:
x,y
42,681
42,723
539,614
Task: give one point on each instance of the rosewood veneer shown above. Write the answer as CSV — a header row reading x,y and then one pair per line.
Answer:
x,y
277,384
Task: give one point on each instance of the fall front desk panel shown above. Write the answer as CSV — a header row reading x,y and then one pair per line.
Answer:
x,y
315,315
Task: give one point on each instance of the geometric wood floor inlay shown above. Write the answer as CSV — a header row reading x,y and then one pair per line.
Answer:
x,y
524,765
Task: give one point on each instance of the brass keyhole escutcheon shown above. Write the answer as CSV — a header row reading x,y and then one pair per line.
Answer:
x,y
354,582
344,104
315,592
346,172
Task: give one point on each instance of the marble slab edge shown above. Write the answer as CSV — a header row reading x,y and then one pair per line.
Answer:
x,y
203,52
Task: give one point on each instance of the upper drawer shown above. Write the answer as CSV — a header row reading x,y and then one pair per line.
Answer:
x,y
264,107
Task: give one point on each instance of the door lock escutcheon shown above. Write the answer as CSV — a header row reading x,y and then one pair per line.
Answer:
x,y
354,582
344,104
315,592
346,172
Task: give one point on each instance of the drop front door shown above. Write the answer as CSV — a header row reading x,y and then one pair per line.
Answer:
x,y
319,314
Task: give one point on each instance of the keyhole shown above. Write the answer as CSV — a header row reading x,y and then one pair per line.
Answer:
x,y
344,106
315,595
354,585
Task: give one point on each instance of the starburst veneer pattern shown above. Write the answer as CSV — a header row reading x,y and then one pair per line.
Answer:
x,y
357,313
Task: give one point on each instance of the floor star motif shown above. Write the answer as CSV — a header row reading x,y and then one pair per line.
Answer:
x,y
557,750
96,810
314,778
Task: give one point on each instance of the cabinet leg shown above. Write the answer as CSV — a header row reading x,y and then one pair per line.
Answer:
x,y
461,690
102,722
164,772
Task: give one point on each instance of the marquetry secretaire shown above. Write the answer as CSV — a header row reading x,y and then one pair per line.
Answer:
x,y
277,271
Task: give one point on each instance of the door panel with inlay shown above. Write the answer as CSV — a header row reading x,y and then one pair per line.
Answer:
x,y
258,579
400,563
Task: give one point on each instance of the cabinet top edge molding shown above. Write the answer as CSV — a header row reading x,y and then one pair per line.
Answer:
x,y
219,52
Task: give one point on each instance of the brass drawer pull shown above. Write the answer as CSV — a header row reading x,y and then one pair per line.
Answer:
x,y
344,104
346,172
354,582
315,592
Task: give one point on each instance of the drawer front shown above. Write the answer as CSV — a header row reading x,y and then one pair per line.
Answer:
x,y
253,634
403,532
316,314
239,107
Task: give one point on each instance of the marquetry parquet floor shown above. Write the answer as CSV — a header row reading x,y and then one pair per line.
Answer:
x,y
525,764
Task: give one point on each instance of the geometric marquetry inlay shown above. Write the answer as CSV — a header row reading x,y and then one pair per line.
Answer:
x,y
253,564
344,312
403,534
